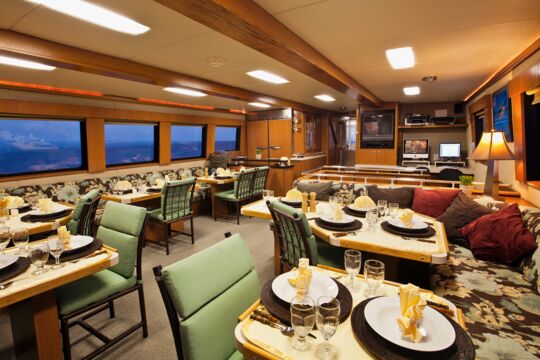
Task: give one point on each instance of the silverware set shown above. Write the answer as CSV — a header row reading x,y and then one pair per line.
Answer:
x,y
267,319
429,241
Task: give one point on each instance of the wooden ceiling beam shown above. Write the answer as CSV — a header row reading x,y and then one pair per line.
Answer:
x,y
73,58
249,23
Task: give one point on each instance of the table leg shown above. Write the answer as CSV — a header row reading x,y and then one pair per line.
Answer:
x,y
36,329
213,199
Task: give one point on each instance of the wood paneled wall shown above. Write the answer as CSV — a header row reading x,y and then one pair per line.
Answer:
x,y
275,132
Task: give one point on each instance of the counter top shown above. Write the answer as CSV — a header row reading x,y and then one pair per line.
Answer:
x,y
308,157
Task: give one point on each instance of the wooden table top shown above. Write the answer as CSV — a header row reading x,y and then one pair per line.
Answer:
x,y
15,222
377,241
130,198
213,181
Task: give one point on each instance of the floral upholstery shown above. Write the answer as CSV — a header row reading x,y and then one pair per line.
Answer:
x,y
530,266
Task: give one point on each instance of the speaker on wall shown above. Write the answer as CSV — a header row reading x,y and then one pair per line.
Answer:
x,y
459,107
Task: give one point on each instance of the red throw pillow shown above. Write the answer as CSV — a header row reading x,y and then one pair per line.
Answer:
x,y
501,236
433,202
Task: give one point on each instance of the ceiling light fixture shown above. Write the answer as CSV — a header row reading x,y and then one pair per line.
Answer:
x,y
95,14
7,60
324,97
215,61
260,105
401,58
411,90
183,91
267,76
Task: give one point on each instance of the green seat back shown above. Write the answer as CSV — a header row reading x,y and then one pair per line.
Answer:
x,y
243,184
209,290
77,211
176,199
260,179
120,228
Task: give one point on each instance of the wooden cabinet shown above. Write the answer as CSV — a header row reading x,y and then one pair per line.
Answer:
x,y
376,156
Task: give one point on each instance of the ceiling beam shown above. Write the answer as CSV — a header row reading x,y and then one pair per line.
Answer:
x,y
247,22
73,58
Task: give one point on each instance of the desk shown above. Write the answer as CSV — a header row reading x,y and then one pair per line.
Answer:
x,y
214,184
15,222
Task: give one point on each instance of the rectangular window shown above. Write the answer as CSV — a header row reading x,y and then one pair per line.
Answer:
x,y
40,145
188,141
130,143
227,138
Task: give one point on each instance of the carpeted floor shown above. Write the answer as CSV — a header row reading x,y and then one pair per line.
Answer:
x,y
159,344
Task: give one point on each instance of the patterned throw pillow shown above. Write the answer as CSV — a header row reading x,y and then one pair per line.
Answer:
x,y
530,266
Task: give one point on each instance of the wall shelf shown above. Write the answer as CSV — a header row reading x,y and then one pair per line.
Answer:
x,y
424,127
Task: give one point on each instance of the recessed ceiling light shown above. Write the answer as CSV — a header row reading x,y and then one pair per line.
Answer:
x,y
267,76
6,60
401,58
95,14
258,104
324,97
183,91
411,90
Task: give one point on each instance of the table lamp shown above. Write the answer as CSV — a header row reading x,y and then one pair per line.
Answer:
x,y
491,148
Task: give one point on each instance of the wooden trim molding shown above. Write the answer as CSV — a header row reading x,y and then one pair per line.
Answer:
x,y
164,143
95,144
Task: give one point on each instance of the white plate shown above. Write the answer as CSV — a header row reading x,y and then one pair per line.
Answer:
x,y
55,208
344,220
359,209
415,224
18,207
79,241
291,201
155,187
6,260
321,285
382,313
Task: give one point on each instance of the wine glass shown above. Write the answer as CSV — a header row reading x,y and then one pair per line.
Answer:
x,y
33,202
20,240
5,237
353,263
372,216
268,194
381,206
302,320
374,274
327,319
393,210
56,248
39,255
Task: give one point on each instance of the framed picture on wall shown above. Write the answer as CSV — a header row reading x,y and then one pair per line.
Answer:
x,y
502,112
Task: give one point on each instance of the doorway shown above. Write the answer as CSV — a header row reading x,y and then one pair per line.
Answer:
x,y
347,140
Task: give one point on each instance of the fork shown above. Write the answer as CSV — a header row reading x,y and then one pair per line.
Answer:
x,y
5,285
429,241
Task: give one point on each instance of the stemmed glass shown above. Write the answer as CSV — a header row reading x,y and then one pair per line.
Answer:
x,y
5,236
374,274
393,210
20,240
302,320
56,248
372,216
353,263
327,320
38,256
33,201
381,206
268,194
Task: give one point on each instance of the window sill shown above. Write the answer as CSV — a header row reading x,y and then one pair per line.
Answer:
x,y
179,161
534,184
42,175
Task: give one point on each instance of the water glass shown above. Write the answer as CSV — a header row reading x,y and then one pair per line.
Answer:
x,y
39,255
20,240
372,216
327,319
302,320
381,206
374,274
56,248
393,210
353,263
268,194
5,237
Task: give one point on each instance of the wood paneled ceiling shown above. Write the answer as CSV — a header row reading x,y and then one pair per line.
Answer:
x,y
461,42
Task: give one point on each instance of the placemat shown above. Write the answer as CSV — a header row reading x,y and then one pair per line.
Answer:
x,y
153,191
79,253
355,225
24,209
411,231
281,309
462,349
352,212
223,177
46,217
15,269
292,204
427,233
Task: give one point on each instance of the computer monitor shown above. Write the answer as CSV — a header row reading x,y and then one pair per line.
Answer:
x,y
415,149
450,151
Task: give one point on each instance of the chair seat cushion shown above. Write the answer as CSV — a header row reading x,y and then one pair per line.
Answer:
x,y
156,214
501,308
330,255
227,195
82,292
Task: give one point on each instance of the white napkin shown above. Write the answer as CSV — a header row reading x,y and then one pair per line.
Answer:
x,y
412,310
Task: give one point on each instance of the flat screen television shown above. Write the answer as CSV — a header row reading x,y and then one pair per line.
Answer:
x,y
450,151
415,149
377,129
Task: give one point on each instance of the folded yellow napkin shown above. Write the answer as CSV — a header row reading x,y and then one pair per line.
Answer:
x,y
160,182
364,202
412,309
407,217
293,195
123,185
14,202
303,278
45,205
65,236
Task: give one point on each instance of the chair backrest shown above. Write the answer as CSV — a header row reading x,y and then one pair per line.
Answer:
x,y
84,212
122,228
450,174
176,197
293,234
243,184
204,294
259,182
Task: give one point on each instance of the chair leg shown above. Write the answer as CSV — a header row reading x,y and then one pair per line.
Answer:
x,y
111,309
64,329
238,213
192,230
167,238
143,312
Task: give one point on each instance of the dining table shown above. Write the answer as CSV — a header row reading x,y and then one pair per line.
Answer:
x,y
215,183
257,340
31,302
131,197
40,227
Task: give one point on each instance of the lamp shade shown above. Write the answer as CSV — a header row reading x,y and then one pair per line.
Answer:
x,y
492,146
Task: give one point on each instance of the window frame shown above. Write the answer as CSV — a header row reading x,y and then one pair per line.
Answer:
x,y
203,142
238,136
83,142
155,126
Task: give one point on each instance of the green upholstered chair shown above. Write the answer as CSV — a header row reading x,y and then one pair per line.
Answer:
x,y
121,227
82,218
293,240
176,199
243,187
205,294
259,181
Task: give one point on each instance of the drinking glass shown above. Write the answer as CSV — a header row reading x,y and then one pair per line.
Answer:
x,y
5,236
56,248
372,216
374,274
393,210
268,194
353,263
302,320
381,206
327,319
38,256
20,240
333,201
